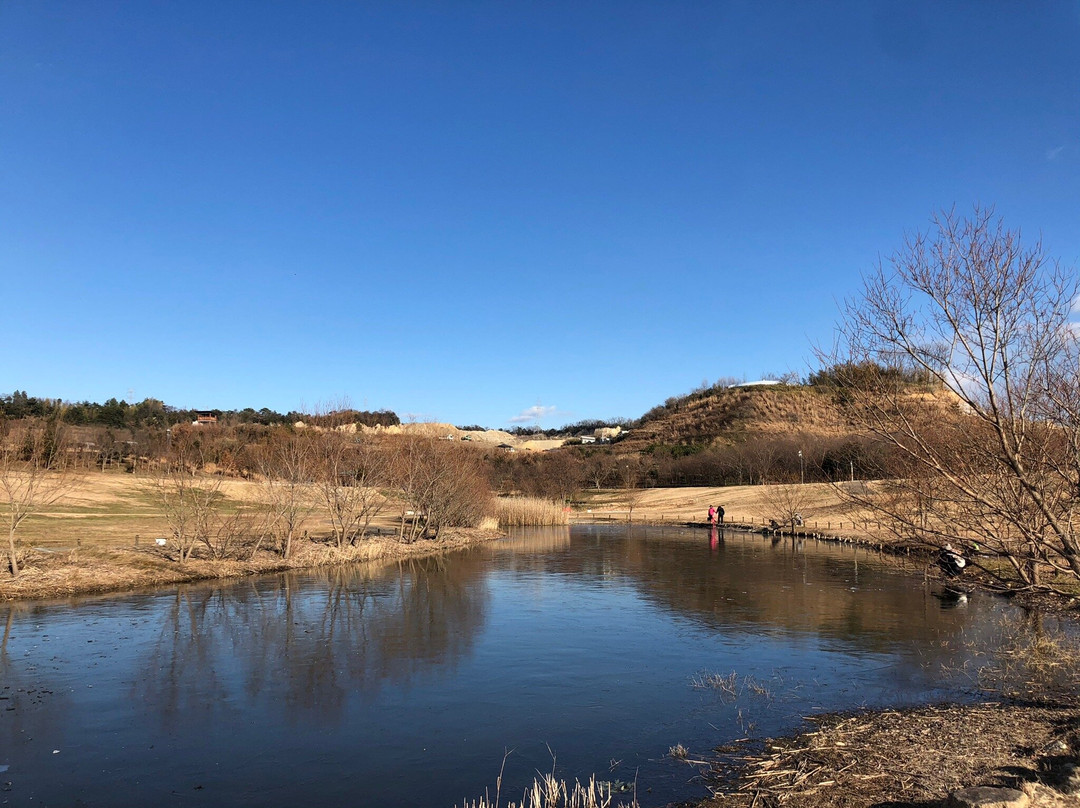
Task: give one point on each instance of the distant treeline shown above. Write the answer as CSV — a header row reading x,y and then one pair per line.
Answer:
x,y
153,413
790,458
575,430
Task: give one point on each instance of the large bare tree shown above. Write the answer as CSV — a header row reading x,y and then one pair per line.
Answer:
x,y
34,473
289,465
444,485
349,470
961,355
192,500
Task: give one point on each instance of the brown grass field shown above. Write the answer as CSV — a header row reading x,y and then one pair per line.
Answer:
x,y
111,509
823,509
100,537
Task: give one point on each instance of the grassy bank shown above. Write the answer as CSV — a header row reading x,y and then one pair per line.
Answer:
x,y
96,568
1026,737
101,537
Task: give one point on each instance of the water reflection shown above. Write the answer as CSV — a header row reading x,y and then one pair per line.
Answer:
x,y
311,639
335,687
744,582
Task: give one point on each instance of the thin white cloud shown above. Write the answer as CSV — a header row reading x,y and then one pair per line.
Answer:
x,y
533,413
1072,329
1052,154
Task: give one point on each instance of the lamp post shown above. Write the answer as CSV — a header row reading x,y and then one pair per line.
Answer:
x,y
802,468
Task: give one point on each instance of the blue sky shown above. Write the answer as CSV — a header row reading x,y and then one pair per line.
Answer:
x,y
461,211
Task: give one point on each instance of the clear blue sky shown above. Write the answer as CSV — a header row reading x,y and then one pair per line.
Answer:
x,y
464,210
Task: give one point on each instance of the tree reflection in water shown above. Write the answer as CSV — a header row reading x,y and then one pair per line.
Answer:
x,y
335,687
309,640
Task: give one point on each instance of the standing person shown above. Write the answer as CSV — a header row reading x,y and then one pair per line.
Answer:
x,y
720,514
712,514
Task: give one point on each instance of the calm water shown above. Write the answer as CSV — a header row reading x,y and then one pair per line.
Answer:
x,y
403,685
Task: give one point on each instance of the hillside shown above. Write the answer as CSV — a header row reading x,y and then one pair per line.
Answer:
x,y
724,416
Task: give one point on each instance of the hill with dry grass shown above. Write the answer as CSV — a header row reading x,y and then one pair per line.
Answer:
x,y
725,416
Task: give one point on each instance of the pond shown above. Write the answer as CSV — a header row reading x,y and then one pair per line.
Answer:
x,y
584,650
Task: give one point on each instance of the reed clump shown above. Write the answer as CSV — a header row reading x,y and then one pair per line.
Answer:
x,y
530,511
1034,662
550,792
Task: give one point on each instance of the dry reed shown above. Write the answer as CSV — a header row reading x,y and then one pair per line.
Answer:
x,y
530,511
549,792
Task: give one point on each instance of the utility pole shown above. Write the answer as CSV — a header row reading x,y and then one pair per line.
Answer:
x,y
802,468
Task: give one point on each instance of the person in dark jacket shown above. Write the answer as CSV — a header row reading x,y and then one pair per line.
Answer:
x,y
951,562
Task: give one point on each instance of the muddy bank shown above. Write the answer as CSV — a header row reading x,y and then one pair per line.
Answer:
x,y
909,757
98,569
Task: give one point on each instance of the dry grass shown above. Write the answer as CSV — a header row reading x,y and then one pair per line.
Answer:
x,y
1031,661
549,792
910,757
917,756
736,412
90,569
717,681
823,508
530,511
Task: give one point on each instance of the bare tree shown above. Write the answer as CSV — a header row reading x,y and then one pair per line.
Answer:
x,y
554,475
631,478
288,466
600,468
785,503
960,355
444,485
349,471
190,499
34,473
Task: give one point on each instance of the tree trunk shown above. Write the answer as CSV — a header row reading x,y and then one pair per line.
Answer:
x,y
1033,571
14,560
